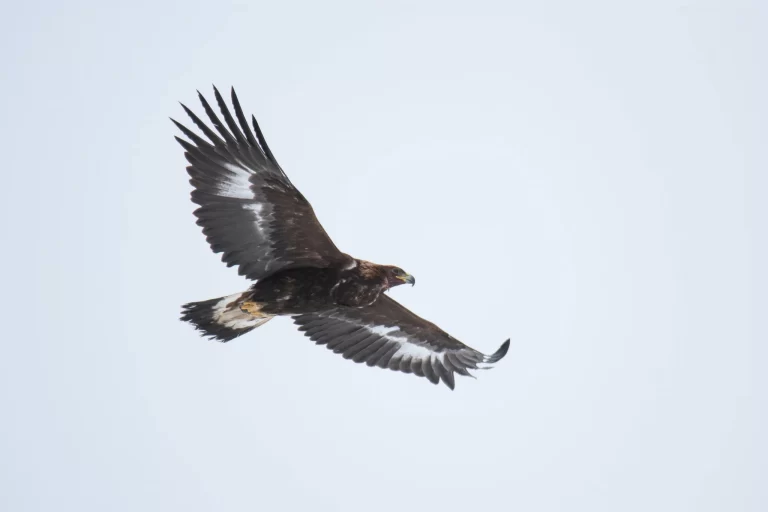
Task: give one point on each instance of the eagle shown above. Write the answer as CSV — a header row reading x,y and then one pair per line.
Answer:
x,y
253,215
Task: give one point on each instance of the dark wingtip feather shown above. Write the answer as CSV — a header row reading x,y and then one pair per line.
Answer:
x,y
228,117
241,119
178,124
446,376
183,142
201,125
263,142
499,354
215,119
189,133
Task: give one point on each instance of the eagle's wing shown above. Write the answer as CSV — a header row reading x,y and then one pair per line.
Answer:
x,y
249,209
388,335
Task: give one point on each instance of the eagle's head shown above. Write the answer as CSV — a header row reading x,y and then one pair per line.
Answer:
x,y
397,276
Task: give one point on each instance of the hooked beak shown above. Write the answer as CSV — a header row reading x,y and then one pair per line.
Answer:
x,y
408,278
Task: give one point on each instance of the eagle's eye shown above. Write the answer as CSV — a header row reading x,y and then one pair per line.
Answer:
x,y
398,271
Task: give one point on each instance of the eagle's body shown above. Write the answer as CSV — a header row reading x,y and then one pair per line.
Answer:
x,y
251,212
304,290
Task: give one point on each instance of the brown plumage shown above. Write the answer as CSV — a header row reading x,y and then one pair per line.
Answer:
x,y
252,214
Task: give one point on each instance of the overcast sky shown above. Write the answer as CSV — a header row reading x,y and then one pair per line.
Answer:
x,y
584,178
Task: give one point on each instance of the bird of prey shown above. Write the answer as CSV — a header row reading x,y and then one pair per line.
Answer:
x,y
251,213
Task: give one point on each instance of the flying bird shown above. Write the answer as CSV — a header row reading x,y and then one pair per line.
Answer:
x,y
258,220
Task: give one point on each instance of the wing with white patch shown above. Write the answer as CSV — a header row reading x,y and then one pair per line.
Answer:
x,y
249,209
388,335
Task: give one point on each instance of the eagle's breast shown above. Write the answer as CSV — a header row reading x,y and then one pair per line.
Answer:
x,y
359,286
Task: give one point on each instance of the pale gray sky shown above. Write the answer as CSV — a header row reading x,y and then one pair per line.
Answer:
x,y
585,178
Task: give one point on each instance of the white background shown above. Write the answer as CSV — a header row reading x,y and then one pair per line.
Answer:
x,y
586,178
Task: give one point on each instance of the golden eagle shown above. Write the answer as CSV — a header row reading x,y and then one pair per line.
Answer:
x,y
252,214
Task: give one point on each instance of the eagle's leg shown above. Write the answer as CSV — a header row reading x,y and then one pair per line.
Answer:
x,y
252,308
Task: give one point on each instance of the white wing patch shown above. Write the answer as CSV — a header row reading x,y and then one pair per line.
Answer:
x,y
407,347
256,209
236,185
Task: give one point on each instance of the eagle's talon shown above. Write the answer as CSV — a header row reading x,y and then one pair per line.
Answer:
x,y
252,308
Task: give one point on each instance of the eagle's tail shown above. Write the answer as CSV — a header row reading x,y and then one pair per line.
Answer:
x,y
224,318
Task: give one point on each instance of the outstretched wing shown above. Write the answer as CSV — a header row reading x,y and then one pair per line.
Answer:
x,y
388,335
249,209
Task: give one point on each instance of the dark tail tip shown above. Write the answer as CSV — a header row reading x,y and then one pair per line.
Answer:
x,y
220,319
